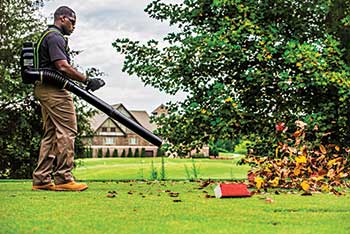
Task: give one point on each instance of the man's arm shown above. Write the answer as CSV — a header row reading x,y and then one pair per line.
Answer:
x,y
91,83
64,66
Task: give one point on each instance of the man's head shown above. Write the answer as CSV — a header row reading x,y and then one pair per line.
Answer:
x,y
65,19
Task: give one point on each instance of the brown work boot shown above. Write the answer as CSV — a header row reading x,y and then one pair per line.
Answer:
x,y
71,186
49,186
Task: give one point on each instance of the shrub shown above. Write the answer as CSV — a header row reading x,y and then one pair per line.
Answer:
x,y
160,152
143,152
198,155
123,154
88,152
213,151
108,153
99,153
137,153
130,153
154,172
115,153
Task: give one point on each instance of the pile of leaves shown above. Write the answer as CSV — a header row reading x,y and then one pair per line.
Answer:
x,y
300,163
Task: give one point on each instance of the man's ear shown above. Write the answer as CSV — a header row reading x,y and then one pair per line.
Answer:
x,y
62,18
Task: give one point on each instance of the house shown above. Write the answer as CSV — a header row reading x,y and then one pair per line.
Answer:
x,y
110,134
160,110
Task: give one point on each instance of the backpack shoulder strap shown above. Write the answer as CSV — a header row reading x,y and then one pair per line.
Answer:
x,y
36,49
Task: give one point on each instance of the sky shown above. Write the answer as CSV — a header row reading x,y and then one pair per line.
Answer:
x,y
99,24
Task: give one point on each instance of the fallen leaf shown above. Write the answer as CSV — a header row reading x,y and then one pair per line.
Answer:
x,y
323,149
274,182
305,186
269,200
109,195
300,159
259,182
205,184
173,194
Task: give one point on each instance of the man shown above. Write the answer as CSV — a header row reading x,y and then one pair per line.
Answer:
x,y
56,155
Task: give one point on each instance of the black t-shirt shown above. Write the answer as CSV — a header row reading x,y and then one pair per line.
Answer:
x,y
53,47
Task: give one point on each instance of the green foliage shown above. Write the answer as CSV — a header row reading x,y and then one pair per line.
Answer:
x,y
226,145
213,151
154,172
241,148
162,171
143,152
87,153
99,153
108,153
123,154
130,154
137,153
198,155
193,172
20,114
160,152
247,66
115,153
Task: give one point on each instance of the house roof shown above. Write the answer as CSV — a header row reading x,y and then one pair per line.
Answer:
x,y
140,117
162,109
143,118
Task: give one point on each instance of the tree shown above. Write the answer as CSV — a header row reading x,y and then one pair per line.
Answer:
x,y
108,153
247,68
137,153
160,152
20,115
99,153
143,152
130,153
123,153
115,153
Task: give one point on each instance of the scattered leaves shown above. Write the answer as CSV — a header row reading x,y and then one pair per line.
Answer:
x,y
300,165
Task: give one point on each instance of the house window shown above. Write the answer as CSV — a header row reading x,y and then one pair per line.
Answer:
x,y
109,141
133,141
112,129
104,129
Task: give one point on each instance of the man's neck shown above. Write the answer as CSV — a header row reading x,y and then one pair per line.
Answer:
x,y
56,27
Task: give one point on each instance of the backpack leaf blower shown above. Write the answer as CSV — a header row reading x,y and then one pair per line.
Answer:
x,y
30,75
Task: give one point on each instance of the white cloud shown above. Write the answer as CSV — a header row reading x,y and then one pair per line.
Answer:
x,y
99,23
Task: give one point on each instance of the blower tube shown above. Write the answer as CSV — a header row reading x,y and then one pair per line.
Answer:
x,y
59,80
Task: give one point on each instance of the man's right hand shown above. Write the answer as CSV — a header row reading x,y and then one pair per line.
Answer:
x,y
94,83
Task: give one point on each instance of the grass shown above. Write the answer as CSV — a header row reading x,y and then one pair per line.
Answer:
x,y
141,168
141,208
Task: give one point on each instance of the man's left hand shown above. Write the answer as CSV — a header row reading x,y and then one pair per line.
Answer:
x,y
94,84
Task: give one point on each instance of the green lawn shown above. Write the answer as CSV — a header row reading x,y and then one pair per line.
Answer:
x,y
141,168
141,207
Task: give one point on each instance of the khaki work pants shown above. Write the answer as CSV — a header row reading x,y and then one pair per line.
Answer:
x,y
56,155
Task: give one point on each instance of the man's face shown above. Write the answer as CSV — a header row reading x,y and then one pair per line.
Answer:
x,y
68,24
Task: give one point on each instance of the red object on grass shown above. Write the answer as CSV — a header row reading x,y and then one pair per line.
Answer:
x,y
231,190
